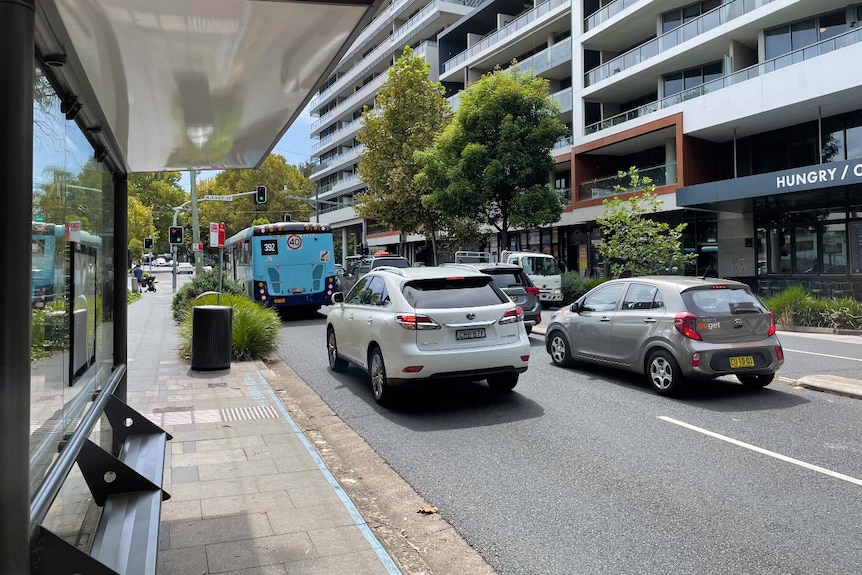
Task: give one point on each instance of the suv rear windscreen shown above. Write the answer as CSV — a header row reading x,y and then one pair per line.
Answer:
x,y
721,301
505,279
442,293
394,262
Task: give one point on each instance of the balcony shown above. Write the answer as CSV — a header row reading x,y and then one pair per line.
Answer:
x,y
506,31
663,175
564,99
606,13
343,132
386,49
556,55
854,36
691,29
340,159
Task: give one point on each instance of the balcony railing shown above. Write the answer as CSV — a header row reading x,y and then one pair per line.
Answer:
x,y
343,157
340,133
854,36
663,175
509,29
606,13
553,56
564,142
564,99
703,23
339,204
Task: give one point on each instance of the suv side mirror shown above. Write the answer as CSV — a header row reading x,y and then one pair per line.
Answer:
x,y
338,297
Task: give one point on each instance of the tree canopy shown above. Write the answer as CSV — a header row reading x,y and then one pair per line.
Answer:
x,y
493,160
410,111
635,243
161,192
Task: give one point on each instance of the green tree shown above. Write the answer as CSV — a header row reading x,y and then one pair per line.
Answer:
x,y
274,173
409,112
635,243
161,192
494,159
140,222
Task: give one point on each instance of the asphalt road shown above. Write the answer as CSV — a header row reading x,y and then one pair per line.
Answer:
x,y
588,471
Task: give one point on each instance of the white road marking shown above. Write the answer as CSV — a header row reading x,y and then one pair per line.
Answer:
x,y
824,354
760,450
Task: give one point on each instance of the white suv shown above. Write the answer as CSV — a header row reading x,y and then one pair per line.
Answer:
x,y
427,323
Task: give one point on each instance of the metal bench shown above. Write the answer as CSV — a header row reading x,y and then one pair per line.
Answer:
x,y
128,488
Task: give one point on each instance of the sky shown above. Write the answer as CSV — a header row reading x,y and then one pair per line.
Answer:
x,y
295,146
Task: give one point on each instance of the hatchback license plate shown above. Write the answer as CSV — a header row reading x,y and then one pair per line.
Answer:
x,y
470,333
742,361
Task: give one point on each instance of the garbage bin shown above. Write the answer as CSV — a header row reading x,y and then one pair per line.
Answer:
x,y
211,337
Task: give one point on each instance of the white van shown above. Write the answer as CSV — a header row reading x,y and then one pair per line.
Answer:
x,y
543,271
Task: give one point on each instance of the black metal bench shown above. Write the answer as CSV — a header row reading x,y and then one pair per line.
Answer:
x,y
128,488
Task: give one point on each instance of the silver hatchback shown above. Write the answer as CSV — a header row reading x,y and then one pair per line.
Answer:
x,y
670,328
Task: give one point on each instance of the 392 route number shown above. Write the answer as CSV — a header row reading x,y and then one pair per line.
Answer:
x,y
269,247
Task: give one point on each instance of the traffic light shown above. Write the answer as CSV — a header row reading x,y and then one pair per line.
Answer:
x,y
148,243
176,235
260,195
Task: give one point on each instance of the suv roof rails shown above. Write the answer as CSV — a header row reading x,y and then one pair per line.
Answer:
x,y
391,269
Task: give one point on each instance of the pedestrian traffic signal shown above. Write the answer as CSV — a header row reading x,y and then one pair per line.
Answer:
x,y
260,195
176,235
148,243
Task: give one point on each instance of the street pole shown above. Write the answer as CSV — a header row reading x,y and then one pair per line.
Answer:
x,y
196,231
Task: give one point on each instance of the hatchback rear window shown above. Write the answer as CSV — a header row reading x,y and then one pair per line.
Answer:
x,y
441,293
721,301
507,279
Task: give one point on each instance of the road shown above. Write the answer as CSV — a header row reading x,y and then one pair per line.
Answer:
x,y
587,471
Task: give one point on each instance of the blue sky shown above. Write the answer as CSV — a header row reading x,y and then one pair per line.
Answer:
x,y
295,146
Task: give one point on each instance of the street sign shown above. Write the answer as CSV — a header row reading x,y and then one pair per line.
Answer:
x,y
218,198
217,231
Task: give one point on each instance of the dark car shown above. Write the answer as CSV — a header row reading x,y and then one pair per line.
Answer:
x,y
356,267
670,328
512,279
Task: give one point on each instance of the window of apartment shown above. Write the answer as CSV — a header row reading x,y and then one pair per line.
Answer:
x,y
678,17
789,37
853,134
803,145
832,148
691,78
639,101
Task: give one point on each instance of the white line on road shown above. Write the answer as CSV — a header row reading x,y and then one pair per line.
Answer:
x,y
825,355
816,468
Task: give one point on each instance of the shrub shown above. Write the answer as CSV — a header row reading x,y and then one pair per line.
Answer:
x,y
574,285
786,305
255,329
203,282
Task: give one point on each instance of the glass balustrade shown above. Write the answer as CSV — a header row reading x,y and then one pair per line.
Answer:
x,y
695,27
506,31
662,175
854,36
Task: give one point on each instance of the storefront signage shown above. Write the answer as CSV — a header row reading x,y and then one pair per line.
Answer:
x,y
833,174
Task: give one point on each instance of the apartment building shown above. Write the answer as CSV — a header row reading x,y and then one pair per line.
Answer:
x,y
745,114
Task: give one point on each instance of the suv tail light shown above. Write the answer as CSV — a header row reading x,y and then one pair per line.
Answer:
x,y
512,316
772,327
533,290
416,321
686,324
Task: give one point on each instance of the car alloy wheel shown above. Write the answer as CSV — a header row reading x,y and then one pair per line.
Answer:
x,y
664,373
377,373
559,348
336,363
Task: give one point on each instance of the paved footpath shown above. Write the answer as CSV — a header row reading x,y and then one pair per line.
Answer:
x,y
249,493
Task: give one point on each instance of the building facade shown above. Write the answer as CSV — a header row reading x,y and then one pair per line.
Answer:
x,y
742,112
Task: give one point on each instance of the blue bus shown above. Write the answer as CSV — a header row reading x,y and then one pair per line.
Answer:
x,y
284,265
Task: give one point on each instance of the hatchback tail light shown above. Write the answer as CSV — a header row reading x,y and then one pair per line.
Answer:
x,y
512,316
772,327
533,290
686,324
416,321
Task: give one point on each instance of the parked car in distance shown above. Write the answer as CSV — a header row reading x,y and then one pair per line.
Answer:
x,y
515,283
185,268
672,329
160,262
357,266
429,323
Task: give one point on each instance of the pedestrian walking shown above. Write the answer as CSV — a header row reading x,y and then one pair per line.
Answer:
x,y
138,272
